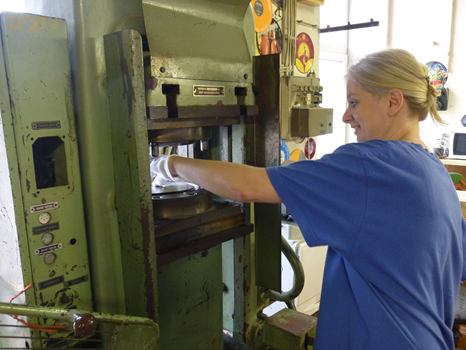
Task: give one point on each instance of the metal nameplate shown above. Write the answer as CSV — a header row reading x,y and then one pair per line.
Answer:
x,y
43,207
49,248
208,90
46,125
76,281
52,282
45,228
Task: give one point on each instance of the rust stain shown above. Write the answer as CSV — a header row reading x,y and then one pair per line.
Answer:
x,y
246,287
128,89
245,329
70,111
128,166
150,265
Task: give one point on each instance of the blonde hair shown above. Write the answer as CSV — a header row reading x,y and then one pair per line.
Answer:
x,y
382,71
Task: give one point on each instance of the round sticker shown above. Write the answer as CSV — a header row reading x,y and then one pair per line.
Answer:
x,y
270,41
284,151
310,148
297,155
262,14
304,52
437,74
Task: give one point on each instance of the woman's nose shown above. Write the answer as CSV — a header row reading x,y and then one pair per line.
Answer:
x,y
347,117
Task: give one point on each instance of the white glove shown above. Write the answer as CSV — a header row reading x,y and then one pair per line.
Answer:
x,y
160,173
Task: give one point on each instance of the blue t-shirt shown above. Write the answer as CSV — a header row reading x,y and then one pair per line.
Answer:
x,y
391,217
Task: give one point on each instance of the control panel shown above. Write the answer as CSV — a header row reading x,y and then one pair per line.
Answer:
x,y
301,115
41,143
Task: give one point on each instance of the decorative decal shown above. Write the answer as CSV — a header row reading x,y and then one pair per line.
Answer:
x,y
270,41
304,52
262,10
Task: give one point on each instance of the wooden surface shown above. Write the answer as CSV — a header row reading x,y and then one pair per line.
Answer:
x,y
312,2
455,166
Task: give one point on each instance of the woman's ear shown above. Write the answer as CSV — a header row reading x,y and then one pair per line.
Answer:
x,y
395,101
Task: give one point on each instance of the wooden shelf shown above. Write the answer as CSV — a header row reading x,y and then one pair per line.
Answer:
x,y
312,2
458,162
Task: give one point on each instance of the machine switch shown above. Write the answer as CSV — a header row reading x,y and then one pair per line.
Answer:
x,y
47,238
49,258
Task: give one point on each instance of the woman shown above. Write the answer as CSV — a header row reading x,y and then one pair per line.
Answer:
x,y
385,206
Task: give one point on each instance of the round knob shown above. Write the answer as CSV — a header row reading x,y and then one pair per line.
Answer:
x,y
47,238
49,258
84,324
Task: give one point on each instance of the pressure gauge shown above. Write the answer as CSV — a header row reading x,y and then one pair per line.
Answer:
x,y
47,238
45,218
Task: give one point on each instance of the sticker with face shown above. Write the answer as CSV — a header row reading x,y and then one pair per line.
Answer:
x,y
438,74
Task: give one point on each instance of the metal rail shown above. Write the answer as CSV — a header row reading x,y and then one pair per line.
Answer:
x,y
84,330
350,26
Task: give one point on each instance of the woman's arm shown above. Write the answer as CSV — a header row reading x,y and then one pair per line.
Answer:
x,y
238,182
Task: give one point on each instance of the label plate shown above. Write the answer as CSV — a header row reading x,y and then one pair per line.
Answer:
x,y
43,207
47,249
208,90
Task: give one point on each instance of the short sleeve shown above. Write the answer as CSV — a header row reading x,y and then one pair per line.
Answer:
x,y
327,197
463,226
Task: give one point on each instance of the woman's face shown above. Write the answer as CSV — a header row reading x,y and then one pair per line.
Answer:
x,y
365,112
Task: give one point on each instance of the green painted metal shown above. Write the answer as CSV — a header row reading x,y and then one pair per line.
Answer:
x,y
267,153
253,263
287,329
128,332
69,314
199,40
46,179
89,22
199,44
242,298
191,302
129,336
118,241
15,261
133,194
